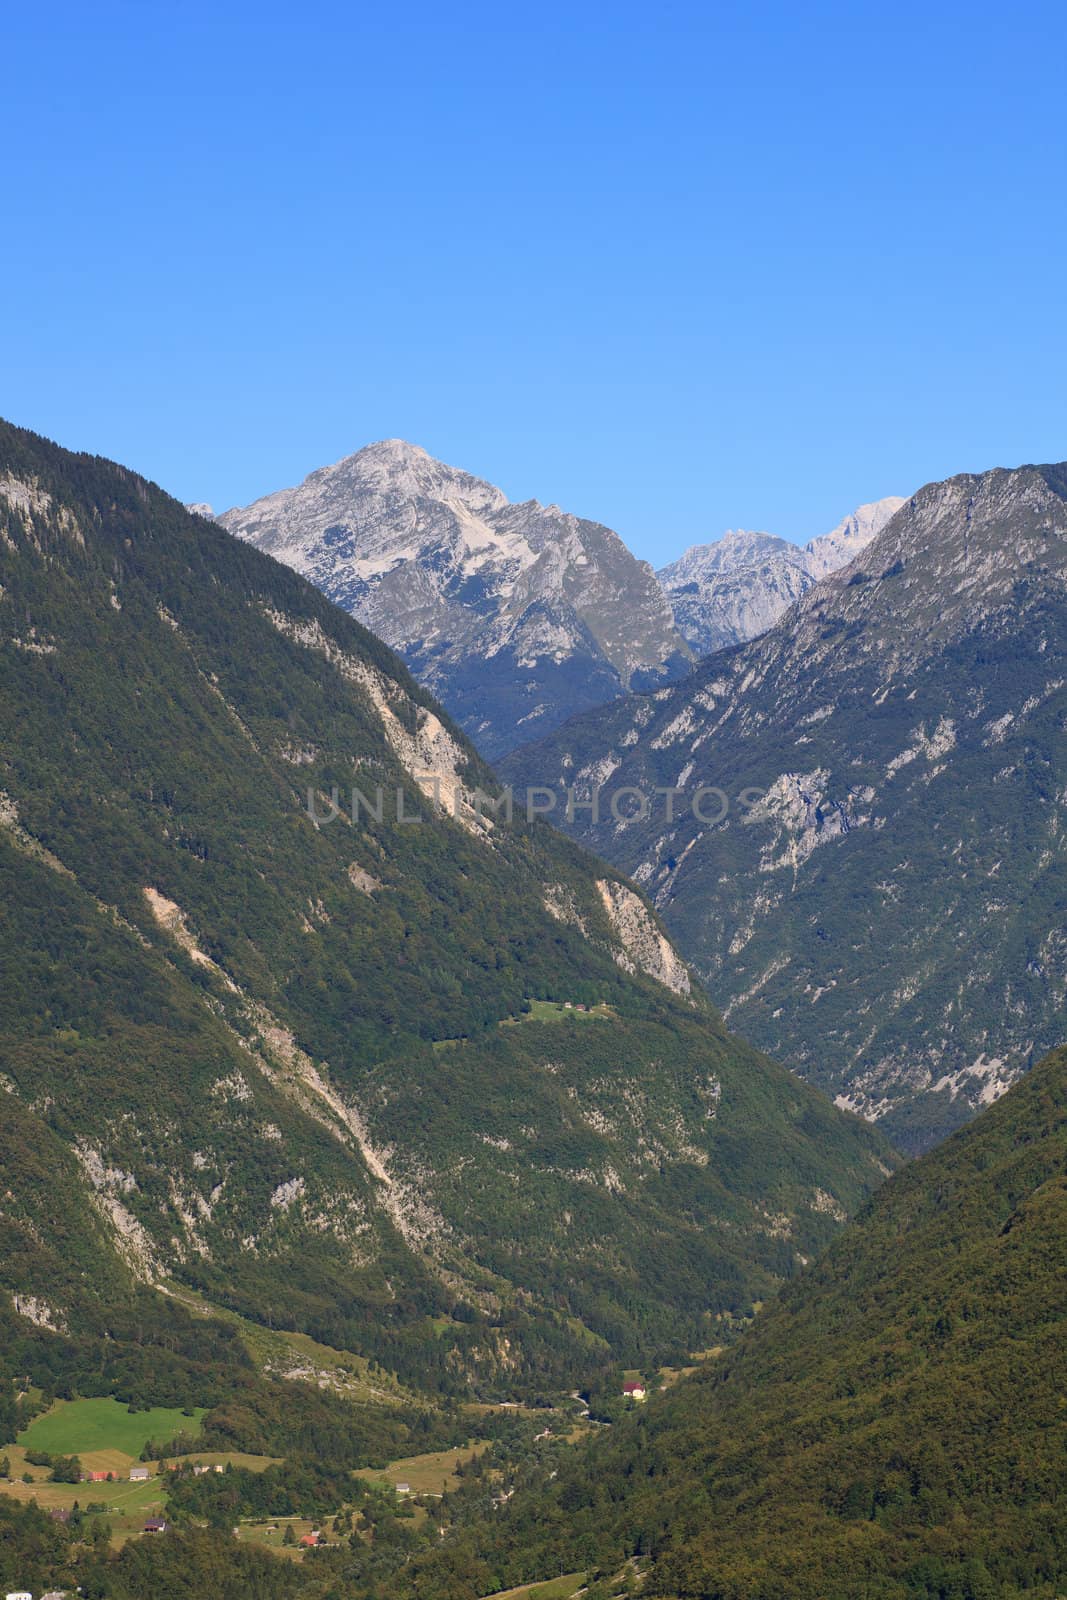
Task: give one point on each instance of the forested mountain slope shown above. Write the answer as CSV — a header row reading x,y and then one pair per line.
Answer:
x,y
289,1060
893,1427
877,894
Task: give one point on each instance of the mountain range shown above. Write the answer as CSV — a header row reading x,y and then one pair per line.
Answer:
x,y
877,896
738,586
519,616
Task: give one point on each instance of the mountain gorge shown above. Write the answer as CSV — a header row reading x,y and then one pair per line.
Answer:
x,y
387,1070
892,1427
738,586
515,616
877,897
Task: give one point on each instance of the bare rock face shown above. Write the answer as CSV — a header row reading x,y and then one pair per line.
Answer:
x,y
737,587
885,913
516,616
843,543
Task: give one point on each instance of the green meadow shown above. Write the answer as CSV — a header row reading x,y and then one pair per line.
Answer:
x,y
77,1427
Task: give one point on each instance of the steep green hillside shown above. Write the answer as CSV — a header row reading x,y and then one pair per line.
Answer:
x,y
894,1427
288,1061
880,902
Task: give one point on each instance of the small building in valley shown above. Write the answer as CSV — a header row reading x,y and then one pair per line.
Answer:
x,y
634,1389
139,1474
156,1525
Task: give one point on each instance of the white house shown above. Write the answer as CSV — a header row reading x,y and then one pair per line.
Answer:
x,y
139,1474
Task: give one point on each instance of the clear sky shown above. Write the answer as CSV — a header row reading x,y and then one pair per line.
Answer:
x,y
677,267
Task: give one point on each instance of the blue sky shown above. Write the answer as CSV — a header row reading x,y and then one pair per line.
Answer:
x,y
677,268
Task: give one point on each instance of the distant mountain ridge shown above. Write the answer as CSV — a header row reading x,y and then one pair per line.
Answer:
x,y
737,587
516,616
888,918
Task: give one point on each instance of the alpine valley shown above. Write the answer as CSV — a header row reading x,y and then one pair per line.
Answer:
x,y
878,895
386,1212
329,1123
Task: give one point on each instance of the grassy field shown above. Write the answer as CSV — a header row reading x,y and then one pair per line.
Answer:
x,y
128,1504
430,1474
98,1428
558,1011
434,1473
270,1535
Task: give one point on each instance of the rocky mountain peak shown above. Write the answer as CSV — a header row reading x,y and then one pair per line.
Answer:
x,y
853,533
737,549
736,587
516,615
394,466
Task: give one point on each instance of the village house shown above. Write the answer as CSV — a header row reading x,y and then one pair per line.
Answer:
x,y
139,1474
403,1488
156,1525
310,1540
634,1389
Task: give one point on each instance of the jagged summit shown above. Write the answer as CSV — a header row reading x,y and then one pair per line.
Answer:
x,y
731,589
852,534
738,548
